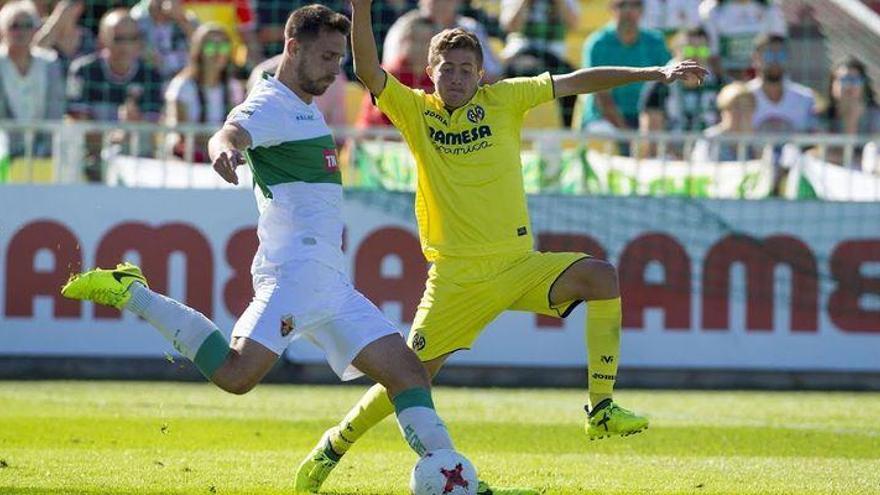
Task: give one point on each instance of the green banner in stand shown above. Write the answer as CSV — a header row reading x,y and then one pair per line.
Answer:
x,y
390,166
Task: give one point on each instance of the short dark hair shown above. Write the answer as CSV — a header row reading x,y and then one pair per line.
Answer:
x,y
306,23
683,34
450,39
765,40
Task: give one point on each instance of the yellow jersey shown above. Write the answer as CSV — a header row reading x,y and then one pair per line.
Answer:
x,y
470,199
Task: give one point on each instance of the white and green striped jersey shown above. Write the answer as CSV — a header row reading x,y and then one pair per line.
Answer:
x,y
298,184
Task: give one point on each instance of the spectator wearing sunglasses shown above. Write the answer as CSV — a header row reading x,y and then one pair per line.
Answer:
x,y
623,43
114,84
852,107
684,106
205,91
783,106
31,85
166,27
735,25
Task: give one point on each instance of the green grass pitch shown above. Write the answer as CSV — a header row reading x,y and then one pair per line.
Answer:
x,y
173,438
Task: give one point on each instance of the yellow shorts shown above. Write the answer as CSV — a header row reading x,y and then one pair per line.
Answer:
x,y
463,295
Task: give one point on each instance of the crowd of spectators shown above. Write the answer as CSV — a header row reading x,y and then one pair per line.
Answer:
x,y
158,61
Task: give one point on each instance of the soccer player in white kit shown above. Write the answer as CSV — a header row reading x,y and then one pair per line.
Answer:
x,y
300,285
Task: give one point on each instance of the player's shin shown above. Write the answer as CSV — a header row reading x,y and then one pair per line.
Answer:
x,y
190,332
423,430
371,409
603,347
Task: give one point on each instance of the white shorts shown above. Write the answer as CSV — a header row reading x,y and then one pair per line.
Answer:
x,y
309,299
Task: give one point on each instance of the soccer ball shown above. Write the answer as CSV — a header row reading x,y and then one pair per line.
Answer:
x,y
443,472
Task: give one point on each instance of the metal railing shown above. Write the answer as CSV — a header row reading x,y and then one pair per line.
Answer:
x,y
141,154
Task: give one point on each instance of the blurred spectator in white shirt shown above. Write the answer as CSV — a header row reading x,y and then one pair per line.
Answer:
x,y
31,82
671,16
735,25
783,105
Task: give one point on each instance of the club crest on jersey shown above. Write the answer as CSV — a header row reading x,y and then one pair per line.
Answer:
x,y
418,341
330,162
287,325
476,114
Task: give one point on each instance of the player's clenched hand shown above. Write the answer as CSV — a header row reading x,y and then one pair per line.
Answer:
x,y
225,163
687,70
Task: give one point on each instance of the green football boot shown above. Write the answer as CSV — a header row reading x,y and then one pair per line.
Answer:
x,y
316,467
608,419
107,287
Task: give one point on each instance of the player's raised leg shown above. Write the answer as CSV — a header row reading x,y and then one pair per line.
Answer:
x,y
236,369
595,281
403,387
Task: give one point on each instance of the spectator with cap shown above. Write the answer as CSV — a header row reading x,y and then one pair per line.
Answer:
x,y
31,83
734,26
622,42
782,105
166,27
205,91
444,13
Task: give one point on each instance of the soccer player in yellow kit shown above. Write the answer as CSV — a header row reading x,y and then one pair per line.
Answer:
x,y
474,225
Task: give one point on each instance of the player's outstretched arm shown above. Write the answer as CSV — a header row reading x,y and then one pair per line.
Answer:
x,y
225,147
602,78
363,46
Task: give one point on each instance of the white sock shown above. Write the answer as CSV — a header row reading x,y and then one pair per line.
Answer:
x,y
422,428
189,331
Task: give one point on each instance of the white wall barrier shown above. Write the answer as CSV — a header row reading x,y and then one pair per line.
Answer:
x,y
799,291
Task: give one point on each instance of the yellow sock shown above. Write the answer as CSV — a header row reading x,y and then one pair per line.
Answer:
x,y
373,407
603,347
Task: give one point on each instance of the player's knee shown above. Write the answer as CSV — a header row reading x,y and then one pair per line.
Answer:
x,y
598,280
234,378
